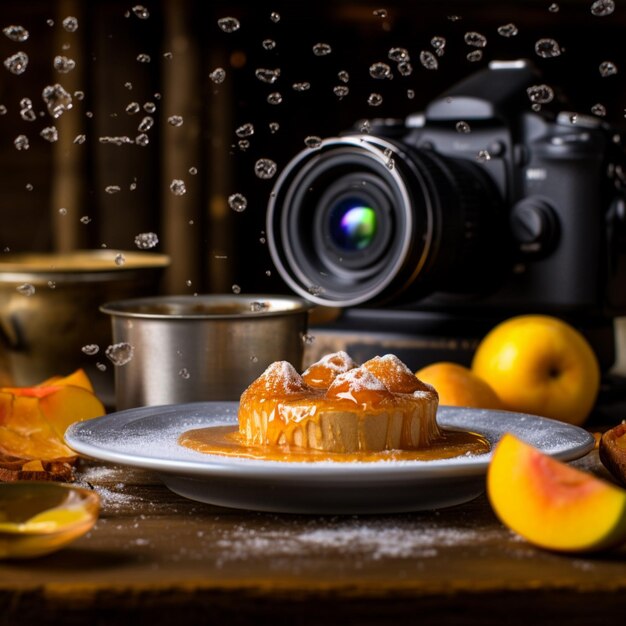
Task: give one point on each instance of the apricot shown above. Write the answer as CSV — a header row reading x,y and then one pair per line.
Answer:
x,y
551,504
77,379
459,386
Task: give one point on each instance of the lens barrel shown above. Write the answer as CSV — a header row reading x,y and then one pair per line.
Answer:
x,y
364,218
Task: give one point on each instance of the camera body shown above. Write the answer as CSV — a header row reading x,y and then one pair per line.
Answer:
x,y
480,205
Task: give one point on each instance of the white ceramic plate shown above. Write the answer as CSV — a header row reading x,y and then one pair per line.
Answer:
x,y
147,438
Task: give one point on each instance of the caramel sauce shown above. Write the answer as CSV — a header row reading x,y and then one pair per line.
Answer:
x,y
227,441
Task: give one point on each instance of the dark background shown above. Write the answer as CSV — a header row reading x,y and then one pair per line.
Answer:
x,y
213,247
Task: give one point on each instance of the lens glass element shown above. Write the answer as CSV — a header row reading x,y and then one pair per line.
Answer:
x,y
352,225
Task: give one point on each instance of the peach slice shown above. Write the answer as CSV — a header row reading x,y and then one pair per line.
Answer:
x,y
77,379
551,504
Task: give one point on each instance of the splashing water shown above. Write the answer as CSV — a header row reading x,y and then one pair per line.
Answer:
x,y
382,13
268,44
429,60
275,98
405,68
91,349
274,127
474,56
439,44
70,24
602,8
21,142
554,8
301,86
175,120
399,55
193,170
16,33
236,289
341,91
62,211
607,68
265,169
149,107
120,353
117,141
57,100
389,160
132,108
146,124
50,133
243,144
483,155
374,100
143,58
184,373
540,93
218,75
178,187
275,17
313,142
111,189
229,24
17,63
267,75
322,49
85,219
145,241
79,139
599,110
142,140
463,127
120,259
3,110
237,202
365,127
380,71
410,94
508,30
27,113
259,307
343,76
547,48
141,12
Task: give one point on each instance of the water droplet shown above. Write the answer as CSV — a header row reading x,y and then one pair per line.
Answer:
x,y
80,139
91,349
21,142
265,168
428,60
475,39
275,17
274,98
439,44
112,189
307,339
29,187
313,142
50,133
229,24
274,127
322,49
236,289
193,170
63,65
463,127
343,76
218,75
483,155
70,24
607,68
141,12
374,99
184,373
237,202
52,284
57,100
3,109
536,107
17,63
120,259
268,44
120,353
602,8
175,120
508,30
547,48
26,289
388,157
365,127
188,283
143,58
145,241
341,91
254,359
101,366
259,307
79,95
178,187
410,94
540,93
133,108
245,130
146,124
16,33
554,8
50,22
268,272
26,111
398,55
405,68
128,85
267,75
599,110
382,13
142,140
474,56
301,86
85,219
380,71
149,107
168,56
63,211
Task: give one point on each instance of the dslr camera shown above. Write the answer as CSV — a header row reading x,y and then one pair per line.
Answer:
x,y
481,206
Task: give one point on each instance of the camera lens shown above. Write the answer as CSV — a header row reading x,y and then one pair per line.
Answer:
x,y
365,218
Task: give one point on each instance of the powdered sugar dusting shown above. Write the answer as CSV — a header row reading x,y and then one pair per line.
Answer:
x,y
395,374
322,373
279,378
355,380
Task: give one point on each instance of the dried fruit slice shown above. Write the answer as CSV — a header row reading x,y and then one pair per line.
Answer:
x,y
613,451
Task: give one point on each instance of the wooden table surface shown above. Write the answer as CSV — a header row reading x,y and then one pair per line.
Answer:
x,y
156,558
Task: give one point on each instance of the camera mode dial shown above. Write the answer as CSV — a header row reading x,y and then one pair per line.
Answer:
x,y
534,226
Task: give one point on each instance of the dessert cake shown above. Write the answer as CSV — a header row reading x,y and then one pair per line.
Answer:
x,y
337,406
